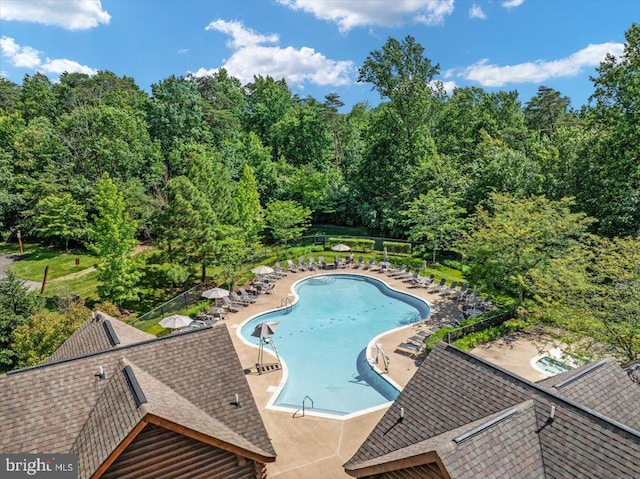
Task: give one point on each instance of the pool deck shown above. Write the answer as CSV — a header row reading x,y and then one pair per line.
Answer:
x,y
312,446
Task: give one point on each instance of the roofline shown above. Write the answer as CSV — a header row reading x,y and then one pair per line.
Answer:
x,y
430,457
106,351
547,392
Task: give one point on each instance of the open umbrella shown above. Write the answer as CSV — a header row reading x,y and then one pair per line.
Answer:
x,y
340,247
176,321
265,328
215,293
262,270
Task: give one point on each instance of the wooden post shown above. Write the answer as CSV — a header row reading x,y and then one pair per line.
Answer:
x,y
20,242
44,280
204,272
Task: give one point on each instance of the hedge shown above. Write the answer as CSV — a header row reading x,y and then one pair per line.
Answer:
x,y
356,244
397,248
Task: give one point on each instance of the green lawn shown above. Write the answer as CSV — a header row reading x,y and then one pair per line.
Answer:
x,y
35,259
84,286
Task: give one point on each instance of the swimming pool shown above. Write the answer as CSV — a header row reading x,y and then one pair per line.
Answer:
x,y
322,340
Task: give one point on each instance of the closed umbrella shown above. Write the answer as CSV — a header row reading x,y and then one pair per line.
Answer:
x,y
340,247
215,293
262,270
176,321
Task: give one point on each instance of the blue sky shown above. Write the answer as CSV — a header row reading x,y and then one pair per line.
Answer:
x,y
318,45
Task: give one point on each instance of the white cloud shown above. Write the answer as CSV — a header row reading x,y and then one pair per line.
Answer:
x,y
27,57
512,3
183,51
19,56
476,12
296,66
349,14
240,35
61,65
535,72
68,14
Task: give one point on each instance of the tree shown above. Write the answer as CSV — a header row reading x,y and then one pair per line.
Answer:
x,y
41,334
17,303
546,110
250,214
609,176
513,236
60,218
287,220
436,219
594,294
402,73
114,242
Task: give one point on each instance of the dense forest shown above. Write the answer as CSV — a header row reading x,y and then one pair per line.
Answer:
x,y
539,199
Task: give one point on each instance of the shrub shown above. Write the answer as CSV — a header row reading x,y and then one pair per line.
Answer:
x,y
356,244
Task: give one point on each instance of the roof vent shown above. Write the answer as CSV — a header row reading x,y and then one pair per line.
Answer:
x,y
486,425
134,385
111,333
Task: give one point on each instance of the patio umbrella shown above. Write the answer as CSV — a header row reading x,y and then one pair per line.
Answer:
x,y
262,270
176,321
340,247
265,328
215,293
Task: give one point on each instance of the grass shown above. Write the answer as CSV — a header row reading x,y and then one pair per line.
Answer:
x,y
84,286
35,259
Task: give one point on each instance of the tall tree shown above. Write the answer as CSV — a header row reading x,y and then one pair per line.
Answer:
x,y
608,165
546,110
59,218
435,219
250,213
514,236
17,303
287,220
114,242
401,73
594,294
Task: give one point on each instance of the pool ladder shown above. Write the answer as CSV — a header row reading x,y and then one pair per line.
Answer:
x,y
286,304
304,403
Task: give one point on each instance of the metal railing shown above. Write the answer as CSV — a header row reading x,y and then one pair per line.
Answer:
x,y
304,402
181,301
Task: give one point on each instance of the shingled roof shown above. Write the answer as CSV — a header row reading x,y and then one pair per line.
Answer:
x,y
100,333
184,382
467,418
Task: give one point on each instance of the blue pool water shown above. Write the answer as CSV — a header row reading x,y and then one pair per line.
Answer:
x,y
323,341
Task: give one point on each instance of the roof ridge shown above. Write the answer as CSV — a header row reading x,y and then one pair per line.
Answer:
x,y
107,351
544,391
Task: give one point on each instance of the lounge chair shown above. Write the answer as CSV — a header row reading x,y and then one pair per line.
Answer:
x,y
450,290
437,287
312,264
231,306
340,263
302,265
280,271
460,293
410,278
322,263
246,295
471,298
239,300
398,272
292,267
369,263
358,263
409,349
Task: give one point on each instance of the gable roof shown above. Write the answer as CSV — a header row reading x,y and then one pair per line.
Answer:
x,y
100,333
454,391
188,381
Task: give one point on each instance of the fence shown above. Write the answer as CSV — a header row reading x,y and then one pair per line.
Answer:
x,y
489,322
182,301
